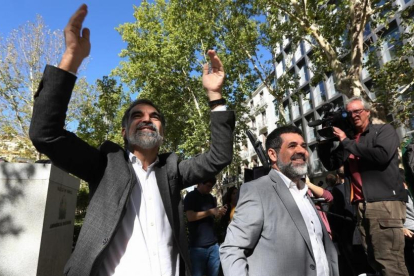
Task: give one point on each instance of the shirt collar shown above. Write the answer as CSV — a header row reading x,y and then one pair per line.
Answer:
x,y
134,160
290,184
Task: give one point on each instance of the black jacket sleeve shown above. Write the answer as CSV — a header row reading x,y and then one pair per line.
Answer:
x,y
379,149
47,131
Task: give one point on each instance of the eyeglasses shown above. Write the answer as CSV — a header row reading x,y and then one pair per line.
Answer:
x,y
356,112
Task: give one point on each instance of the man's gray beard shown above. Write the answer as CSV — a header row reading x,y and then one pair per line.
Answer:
x,y
292,171
145,140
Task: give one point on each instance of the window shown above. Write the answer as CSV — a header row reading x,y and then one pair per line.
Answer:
x,y
316,165
264,117
303,74
330,86
380,5
299,52
280,68
310,131
295,110
287,111
307,101
365,58
298,124
289,56
262,101
319,94
367,30
390,44
370,85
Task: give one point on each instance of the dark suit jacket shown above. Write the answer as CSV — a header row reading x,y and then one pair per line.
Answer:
x,y
268,235
111,176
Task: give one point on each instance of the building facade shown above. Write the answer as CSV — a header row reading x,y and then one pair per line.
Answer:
x,y
307,106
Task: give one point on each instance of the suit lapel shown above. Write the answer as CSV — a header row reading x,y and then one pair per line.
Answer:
x,y
162,182
292,208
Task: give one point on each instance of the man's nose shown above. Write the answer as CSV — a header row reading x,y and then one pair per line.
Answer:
x,y
301,150
146,118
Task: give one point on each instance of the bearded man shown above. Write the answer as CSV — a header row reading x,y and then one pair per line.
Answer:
x,y
134,223
276,229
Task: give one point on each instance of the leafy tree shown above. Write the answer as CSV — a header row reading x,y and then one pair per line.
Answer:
x,y
335,30
101,117
165,52
393,81
23,55
254,30
167,41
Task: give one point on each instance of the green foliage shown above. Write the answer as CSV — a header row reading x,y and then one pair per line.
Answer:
x,y
335,29
393,82
165,52
23,55
100,119
167,42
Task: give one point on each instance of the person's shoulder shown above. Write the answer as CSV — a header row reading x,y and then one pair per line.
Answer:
x,y
257,184
168,157
111,147
381,127
190,196
193,194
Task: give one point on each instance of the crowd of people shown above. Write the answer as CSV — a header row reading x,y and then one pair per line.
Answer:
x,y
278,224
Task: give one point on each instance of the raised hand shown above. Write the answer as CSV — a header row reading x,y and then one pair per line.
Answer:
x,y
213,80
77,41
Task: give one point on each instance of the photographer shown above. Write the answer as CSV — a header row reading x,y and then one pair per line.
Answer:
x,y
370,159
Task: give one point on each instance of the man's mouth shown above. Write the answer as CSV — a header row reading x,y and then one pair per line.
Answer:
x,y
146,128
298,161
298,158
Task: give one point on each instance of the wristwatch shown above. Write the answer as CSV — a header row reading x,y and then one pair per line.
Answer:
x,y
215,103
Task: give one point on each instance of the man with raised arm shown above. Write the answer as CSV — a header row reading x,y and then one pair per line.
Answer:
x,y
134,223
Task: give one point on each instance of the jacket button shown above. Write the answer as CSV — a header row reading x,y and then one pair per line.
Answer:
x,y
312,266
105,241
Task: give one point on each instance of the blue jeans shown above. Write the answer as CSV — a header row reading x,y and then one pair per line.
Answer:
x,y
205,260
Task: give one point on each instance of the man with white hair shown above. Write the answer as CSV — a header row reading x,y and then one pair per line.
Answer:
x,y
370,160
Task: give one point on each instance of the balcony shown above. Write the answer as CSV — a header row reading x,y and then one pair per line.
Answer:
x,y
262,127
260,106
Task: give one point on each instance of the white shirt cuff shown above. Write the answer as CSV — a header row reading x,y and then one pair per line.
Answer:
x,y
219,108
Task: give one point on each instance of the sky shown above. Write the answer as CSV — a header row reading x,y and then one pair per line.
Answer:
x,y
103,17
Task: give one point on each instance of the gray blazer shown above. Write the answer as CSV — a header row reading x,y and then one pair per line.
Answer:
x,y
110,175
268,235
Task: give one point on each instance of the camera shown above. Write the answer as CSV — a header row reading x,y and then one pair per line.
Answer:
x,y
332,117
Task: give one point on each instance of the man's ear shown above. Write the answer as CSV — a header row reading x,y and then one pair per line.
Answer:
x,y
272,155
123,132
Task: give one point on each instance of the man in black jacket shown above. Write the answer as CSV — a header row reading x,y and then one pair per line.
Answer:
x,y
370,159
134,224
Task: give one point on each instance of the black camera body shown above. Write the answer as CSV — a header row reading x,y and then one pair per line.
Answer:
x,y
333,117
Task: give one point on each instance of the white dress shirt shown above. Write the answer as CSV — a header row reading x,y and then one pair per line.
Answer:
x,y
143,244
313,224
